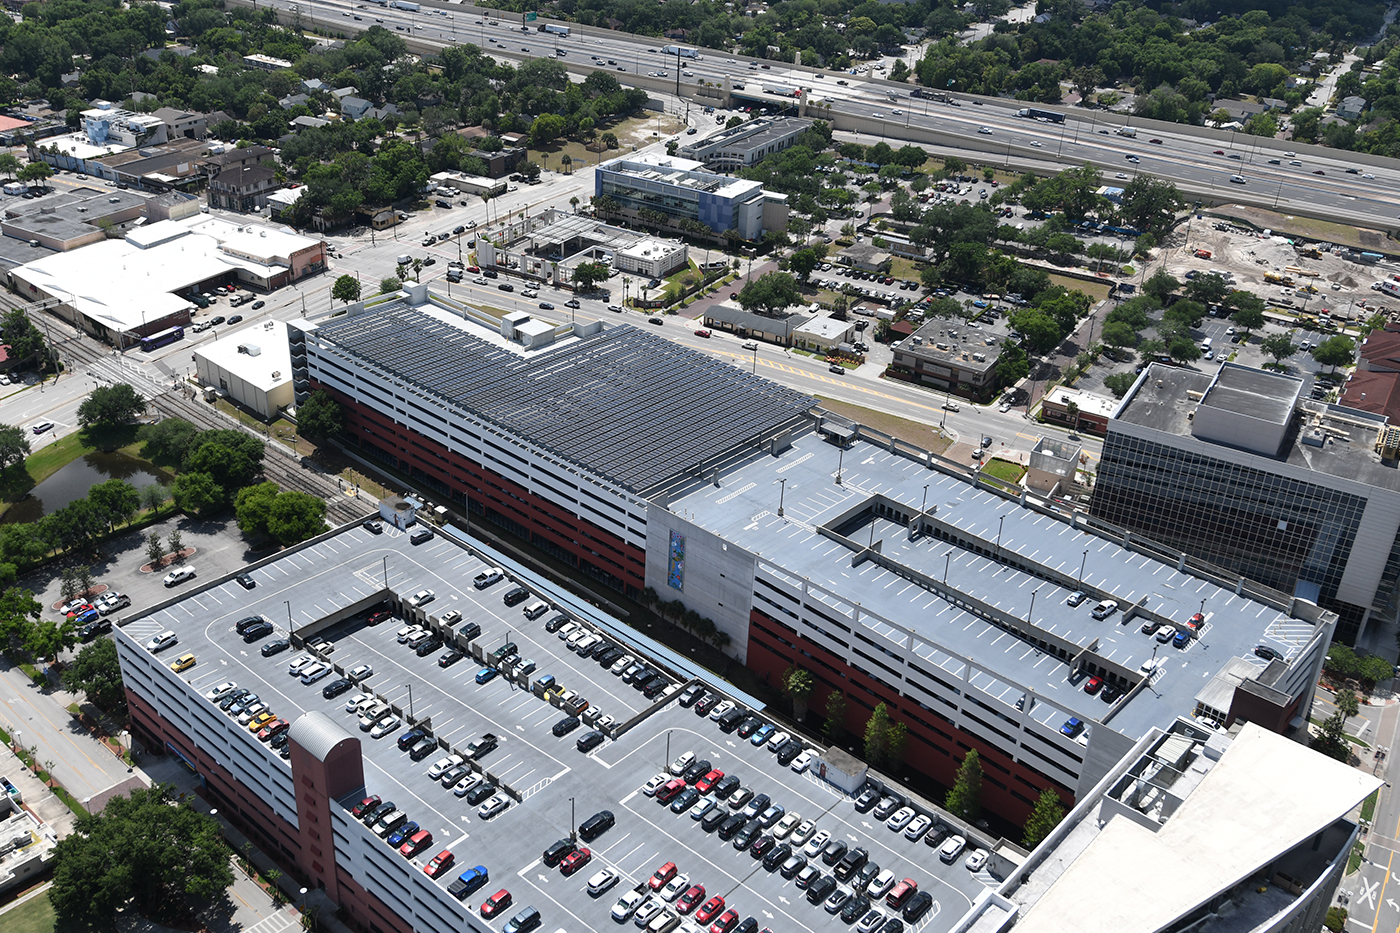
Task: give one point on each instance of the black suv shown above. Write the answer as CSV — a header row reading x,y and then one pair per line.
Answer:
x,y
429,646
710,820
820,888
255,632
557,852
726,786
565,726
596,825
730,826
515,596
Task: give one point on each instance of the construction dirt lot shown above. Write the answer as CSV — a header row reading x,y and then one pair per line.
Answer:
x,y
1343,285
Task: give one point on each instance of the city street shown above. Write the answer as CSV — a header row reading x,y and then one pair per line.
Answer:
x,y
1372,895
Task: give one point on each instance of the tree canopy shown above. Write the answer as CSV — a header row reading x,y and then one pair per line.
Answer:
x,y
145,851
110,405
770,293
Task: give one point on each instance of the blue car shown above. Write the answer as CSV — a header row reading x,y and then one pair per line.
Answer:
x,y
398,836
761,736
86,616
1072,727
979,303
1182,639
486,675
410,738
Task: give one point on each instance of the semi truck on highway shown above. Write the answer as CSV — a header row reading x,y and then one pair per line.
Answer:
x,y
556,29
681,50
1049,116
1128,131
926,94
404,5
779,90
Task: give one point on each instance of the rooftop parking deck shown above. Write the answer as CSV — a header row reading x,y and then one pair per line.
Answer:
x,y
898,596
342,576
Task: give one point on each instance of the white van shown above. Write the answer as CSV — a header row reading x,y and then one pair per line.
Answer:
x,y
1205,344
536,609
404,259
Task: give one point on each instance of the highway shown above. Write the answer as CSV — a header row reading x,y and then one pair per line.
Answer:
x,y
1199,165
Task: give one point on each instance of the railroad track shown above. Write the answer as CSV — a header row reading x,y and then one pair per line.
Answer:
x,y
278,467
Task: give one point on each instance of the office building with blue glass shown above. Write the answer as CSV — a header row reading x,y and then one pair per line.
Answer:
x,y
681,189
1237,468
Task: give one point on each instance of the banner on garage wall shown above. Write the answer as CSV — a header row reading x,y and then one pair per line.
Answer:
x,y
675,572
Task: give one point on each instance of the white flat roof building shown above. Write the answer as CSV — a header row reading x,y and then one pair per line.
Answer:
x,y
652,257
822,333
252,365
1192,829
120,289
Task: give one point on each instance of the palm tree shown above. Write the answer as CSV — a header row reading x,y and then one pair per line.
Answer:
x,y
573,202
567,161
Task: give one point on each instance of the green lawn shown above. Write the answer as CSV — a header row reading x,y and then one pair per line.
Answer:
x,y
1095,290
1005,470
34,916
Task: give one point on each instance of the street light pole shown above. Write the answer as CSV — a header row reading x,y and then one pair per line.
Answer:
x,y
410,700
782,494
1000,522
1082,561
840,459
947,560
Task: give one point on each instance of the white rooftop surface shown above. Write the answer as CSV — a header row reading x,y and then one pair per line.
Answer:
x,y
825,327
270,368
253,242
1264,796
1089,404
77,146
121,285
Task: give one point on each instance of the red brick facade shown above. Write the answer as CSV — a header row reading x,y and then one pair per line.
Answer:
x,y
936,746
546,523
308,854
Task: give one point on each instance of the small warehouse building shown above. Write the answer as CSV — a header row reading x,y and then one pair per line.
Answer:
x,y
823,333
251,366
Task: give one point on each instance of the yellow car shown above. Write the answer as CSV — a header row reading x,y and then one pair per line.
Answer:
x,y
183,663
259,721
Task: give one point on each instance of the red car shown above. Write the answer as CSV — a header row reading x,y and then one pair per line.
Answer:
x,y
702,333
726,922
366,805
440,863
1319,172
416,843
708,782
663,874
1093,685
495,903
576,860
670,789
273,728
901,893
473,268
1196,621
689,899
377,617
1155,142
711,909
1219,152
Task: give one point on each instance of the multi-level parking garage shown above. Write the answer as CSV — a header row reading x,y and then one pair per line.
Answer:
x,y
816,543
349,595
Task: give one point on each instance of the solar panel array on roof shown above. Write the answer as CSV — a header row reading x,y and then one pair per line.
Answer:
x,y
629,405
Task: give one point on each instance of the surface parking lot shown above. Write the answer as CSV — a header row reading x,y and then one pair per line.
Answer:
x,y
560,785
